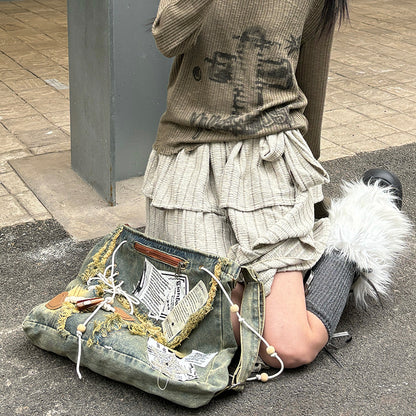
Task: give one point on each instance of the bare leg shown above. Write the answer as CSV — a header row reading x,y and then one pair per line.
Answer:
x,y
297,334
236,297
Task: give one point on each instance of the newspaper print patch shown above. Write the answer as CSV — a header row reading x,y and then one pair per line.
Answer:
x,y
160,291
165,361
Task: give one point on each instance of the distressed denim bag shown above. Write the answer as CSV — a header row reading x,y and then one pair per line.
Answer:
x,y
155,316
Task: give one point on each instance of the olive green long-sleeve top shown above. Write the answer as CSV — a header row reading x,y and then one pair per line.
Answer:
x,y
243,69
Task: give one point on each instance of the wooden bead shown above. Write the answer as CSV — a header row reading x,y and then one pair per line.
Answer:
x,y
81,328
270,350
234,308
264,377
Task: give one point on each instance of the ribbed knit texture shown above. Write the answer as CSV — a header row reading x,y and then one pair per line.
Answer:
x,y
251,201
328,292
236,74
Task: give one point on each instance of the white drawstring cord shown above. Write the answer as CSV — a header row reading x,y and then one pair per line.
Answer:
x,y
79,336
81,328
270,349
115,289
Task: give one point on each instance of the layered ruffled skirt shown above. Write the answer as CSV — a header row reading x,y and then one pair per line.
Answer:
x,y
252,201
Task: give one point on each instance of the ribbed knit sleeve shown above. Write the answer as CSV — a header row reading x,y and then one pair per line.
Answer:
x,y
178,24
312,76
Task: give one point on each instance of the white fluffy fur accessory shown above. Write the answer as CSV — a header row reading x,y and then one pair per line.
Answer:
x,y
370,231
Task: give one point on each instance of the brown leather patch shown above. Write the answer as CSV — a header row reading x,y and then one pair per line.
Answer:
x,y
57,301
124,314
158,255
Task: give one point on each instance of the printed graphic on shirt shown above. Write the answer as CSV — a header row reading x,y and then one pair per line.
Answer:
x,y
253,43
197,73
248,78
222,67
239,124
293,45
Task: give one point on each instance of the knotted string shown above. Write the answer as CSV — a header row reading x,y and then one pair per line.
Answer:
x,y
114,289
249,327
79,333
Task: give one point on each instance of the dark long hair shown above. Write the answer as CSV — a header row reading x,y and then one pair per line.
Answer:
x,y
334,11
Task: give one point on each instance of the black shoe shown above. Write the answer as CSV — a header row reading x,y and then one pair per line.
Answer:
x,y
385,179
321,208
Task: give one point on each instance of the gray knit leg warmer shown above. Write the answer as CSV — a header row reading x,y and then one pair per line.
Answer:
x,y
327,288
368,234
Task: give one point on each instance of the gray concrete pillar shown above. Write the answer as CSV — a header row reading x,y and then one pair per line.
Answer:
x,y
118,83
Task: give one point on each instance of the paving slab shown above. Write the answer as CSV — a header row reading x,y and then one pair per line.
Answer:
x,y
377,376
73,202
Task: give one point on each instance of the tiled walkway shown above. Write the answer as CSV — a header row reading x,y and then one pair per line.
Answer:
x,y
34,116
370,105
371,100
